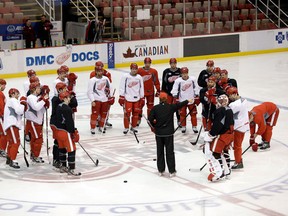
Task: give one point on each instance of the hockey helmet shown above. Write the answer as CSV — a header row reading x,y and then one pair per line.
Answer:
x,y
33,85
31,73
60,86
133,66
147,60
232,90
2,82
13,91
34,79
210,63
184,70
173,60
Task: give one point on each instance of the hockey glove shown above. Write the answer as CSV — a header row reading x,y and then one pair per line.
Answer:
x,y
75,136
72,77
252,139
45,90
23,101
121,100
111,100
208,137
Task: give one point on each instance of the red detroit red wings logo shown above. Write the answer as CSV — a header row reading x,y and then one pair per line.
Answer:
x,y
146,77
131,84
172,78
101,86
186,86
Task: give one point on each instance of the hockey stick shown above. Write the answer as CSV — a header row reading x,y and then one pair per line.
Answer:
x,y
195,142
95,162
179,125
25,152
47,143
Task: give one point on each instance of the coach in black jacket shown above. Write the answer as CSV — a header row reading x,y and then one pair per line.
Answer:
x,y
161,118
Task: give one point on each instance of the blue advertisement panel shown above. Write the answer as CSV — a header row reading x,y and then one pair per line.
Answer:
x,y
111,55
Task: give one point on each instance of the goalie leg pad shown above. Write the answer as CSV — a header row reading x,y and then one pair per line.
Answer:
x,y
215,165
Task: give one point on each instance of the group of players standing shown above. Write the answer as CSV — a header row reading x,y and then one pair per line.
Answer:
x,y
224,113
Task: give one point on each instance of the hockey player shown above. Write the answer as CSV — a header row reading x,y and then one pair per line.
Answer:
x,y
168,78
225,82
67,135
62,77
13,112
150,79
99,90
184,88
265,116
37,106
131,95
161,118
205,74
241,123
3,137
108,75
30,73
208,98
218,140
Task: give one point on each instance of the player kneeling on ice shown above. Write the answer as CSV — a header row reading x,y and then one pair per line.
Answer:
x,y
67,135
13,113
218,140
265,117
37,106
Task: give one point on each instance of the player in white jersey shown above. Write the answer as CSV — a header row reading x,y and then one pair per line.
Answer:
x,y
185,88
35,114
62,77
99,93
131,97
241,123
13,113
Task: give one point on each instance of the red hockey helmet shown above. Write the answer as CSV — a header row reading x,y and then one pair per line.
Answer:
x,y
13,91
232,90
173,60
99,63
212,78
210,63
184,70
64,95
34,79
33,85
133,66
60,86
224,71
147,60
216,70
65,68
31,73
2,82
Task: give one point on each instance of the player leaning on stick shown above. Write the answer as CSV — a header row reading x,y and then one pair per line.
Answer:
x,y
67,134
37,105
218,140
99,93
151,81
265,117
241,123
13,112
184,88
162,119
3,136
131,95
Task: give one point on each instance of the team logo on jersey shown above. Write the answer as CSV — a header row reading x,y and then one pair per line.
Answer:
x,y
101,86
146,77
131,84
186,86
172,78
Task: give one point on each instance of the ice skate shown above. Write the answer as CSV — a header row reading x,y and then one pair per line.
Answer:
x,y
108,124
36,159
237,166
14,164
133,130
73,172
92,130
195,130
125,131
266,145
3,154
101,130
183,129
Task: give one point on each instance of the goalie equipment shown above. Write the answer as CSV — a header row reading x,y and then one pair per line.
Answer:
x,y
147,60
215,168
60,86
13,91
184,70
173,60
210,63
222,101
133,66
31,73
64,95
208,137
2,82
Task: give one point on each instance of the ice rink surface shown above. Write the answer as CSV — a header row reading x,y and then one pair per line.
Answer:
x,y
261,188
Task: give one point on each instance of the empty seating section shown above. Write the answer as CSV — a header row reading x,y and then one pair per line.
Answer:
x,y
9,13
168,17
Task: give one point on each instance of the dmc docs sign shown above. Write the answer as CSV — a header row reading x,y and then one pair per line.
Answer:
x,y
155,49
73,56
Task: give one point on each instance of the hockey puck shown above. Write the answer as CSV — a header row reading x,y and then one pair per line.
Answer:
x,y
125,181
154,159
